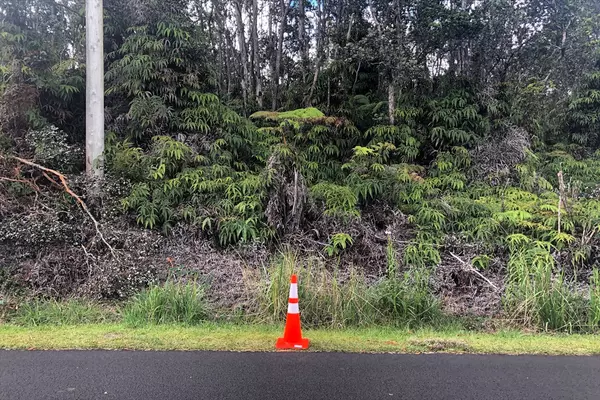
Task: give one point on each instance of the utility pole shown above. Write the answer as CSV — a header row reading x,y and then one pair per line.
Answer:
x,y
94,95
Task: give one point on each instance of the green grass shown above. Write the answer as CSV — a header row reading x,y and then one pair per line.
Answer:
x,y
330,299
537,295
172,302
594,315
212,336
69,312
326,300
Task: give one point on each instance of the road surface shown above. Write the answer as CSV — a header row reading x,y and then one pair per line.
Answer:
x,y
294,376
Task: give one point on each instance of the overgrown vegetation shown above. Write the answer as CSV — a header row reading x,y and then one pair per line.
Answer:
x,y
434,157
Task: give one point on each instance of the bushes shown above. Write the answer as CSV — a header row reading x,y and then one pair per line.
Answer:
x,y
52,149
172,302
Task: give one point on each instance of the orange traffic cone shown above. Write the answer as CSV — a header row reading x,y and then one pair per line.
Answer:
x,y
292,335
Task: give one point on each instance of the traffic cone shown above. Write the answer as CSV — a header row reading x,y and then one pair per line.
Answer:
x,y
292,335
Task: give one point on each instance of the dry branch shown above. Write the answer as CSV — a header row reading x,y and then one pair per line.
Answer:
x,y
473,270
23,181
63,181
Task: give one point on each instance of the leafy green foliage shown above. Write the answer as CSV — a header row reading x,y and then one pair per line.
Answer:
x,y
160,70
319,144
40,82
211,176
182,185
455,120
584,111
338,242
340,201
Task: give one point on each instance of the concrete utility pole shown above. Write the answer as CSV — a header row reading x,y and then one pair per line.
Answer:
x,y
94,107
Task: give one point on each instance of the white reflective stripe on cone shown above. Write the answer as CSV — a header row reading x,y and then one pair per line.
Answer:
x,y
293,291
293,308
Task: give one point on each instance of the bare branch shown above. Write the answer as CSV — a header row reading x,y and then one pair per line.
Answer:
x,y
470,268
63,181
23,181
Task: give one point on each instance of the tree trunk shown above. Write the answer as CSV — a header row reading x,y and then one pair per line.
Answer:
x,y
283,16
391,102
302,40
243,54
217,34
319,58
349,33
256,56
308,100
228,64
271,52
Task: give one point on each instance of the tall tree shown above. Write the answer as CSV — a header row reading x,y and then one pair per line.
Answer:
x,y
284,9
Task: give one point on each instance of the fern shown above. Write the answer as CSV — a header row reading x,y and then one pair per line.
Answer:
x,y
339,201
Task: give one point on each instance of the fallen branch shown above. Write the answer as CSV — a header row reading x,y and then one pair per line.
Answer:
x,y
473,270
63,181
23,181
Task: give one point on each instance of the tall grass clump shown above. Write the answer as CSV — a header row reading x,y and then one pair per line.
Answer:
x,y
536,296
173,302
67,312
336,300
594,309
326,299
406,298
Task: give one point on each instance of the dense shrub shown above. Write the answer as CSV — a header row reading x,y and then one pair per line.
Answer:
x,y
52,149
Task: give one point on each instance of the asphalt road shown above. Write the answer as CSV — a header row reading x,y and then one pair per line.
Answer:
x,y
252,376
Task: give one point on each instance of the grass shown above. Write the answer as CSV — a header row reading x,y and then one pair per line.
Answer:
x,y
211,336
594,316
398,314
327,300
339,300
172,302
537,295
69,312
